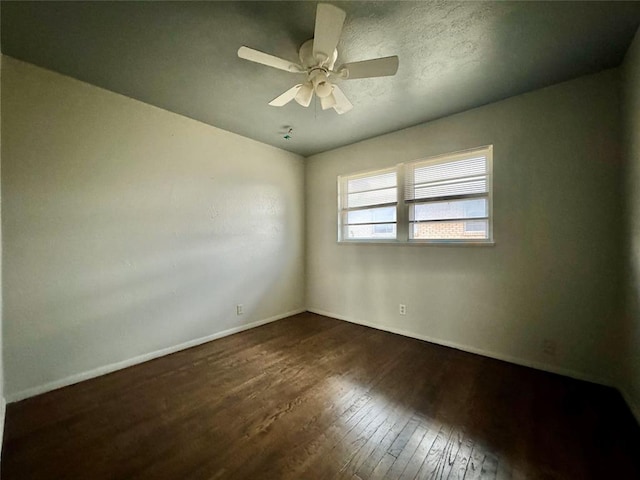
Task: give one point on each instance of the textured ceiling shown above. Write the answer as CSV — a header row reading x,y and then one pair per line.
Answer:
x,y
181,56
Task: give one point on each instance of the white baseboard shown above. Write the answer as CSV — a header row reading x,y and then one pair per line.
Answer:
x,y
633,405
77,378
478,351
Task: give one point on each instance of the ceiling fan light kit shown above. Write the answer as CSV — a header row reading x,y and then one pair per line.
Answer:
x,y
317,60
304,95
328,102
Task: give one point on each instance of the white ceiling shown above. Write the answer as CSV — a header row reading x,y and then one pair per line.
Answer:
x,y
181,56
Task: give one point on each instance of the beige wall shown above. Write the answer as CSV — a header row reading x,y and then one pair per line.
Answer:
x,y
555,269
2,399
631,381
129,230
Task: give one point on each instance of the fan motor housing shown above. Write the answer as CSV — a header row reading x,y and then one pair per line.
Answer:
x,y
308,60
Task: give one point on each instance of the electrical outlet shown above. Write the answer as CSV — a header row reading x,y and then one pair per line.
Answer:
x,y
239,309
402,309
549,347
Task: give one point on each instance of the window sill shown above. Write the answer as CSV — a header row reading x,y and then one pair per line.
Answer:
x,y
422,243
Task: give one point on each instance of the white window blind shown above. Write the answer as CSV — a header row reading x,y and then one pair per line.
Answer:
x,y
368,206
449,197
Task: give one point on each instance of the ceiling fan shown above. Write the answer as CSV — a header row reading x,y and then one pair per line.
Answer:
x,y
317,60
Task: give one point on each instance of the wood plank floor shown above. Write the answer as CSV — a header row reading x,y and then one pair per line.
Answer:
x,y
310,397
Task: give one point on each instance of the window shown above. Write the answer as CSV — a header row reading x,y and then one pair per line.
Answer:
x,y
368,205
445,199
448,197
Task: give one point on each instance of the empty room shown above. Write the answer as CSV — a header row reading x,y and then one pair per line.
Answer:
x,y
320,240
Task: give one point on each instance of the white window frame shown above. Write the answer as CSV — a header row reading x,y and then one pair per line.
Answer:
x,y
487,152
343,210
403,224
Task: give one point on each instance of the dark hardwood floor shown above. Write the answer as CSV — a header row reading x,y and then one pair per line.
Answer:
x,y
310,397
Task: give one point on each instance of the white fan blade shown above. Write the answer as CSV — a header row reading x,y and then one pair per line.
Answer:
x,y
329,21
379,67
328,101
305,94
286,97
343,105
269,60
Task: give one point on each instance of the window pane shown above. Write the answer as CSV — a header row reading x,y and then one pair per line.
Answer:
x,y
372,215
445,170
374,197
370,232
449,188
475,226
472,208
372,182
456,230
